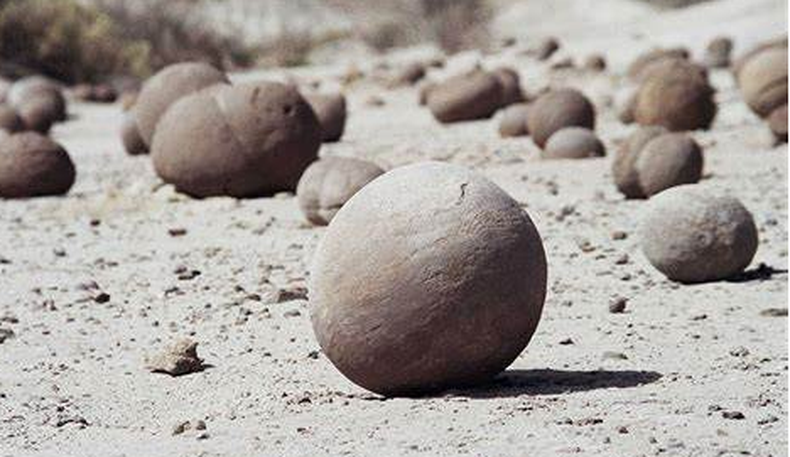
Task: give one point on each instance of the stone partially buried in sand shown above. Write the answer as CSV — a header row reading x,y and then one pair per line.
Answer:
x,y
430,277
329,183
574,143
557,109
331,112
465,97
692,235
176,360
247,140
32,165
166,87
513,121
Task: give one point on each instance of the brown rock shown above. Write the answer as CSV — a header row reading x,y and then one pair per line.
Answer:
x,y
668,160
511,86
130,136
777,122
675,99
557,109
241,141
513,121
623,167
573,143
178,359
32,165
330,109
763,80
466,97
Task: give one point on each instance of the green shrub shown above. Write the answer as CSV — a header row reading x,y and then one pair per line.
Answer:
x,y
67,41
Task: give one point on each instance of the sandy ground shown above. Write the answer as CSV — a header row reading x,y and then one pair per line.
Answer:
x,y
667,377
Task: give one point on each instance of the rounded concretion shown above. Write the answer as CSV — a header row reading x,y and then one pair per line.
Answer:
x,y
327,184
574,143
241,141
623,166
557,109
130,136
32,165
511,86
777,122
430,277
32,87
465,97
668,160
10,120
763,80
166,87
693,235
717,53
513,121
675,100
648,58
330,109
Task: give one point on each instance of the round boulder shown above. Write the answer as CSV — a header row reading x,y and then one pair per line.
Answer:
x,y
241,141
430,277
331,112
513,121
646,59
327,184
166,87
557,109
32,165
693,235
573,143
623,166
10,120
668,160
763,80
677,100
465,97
130,136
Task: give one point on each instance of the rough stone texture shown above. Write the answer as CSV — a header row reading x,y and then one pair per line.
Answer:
x,y
465,97
166,87
327,184
692,235
574,143
431,277
178,359
32,165
241,141
557,109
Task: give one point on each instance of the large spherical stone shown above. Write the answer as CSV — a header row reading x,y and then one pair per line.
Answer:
x,y
331,112
623,166
511,86
574,143
32,165
676,101
668,160
763,80
130,136
738,64
513,121
166,87
327,184
39,113
777,122
241,141
430,277
10,120
465,97
557,109
693,235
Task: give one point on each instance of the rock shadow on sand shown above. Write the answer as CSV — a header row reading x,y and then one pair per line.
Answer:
x,y
513,383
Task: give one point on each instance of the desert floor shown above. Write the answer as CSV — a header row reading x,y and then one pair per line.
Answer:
x,y
686,370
